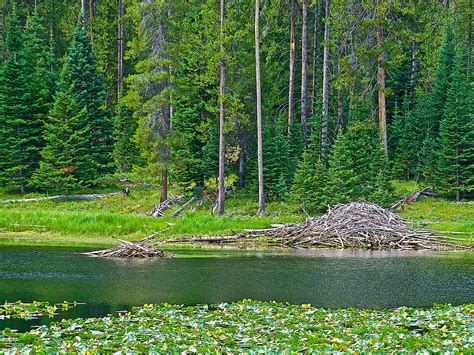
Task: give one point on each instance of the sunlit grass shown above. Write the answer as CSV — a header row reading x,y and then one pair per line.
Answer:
x,y
100,221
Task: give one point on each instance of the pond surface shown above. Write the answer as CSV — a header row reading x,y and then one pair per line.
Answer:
x,y
324,278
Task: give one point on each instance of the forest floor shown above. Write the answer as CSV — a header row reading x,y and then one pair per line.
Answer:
x,y
99,222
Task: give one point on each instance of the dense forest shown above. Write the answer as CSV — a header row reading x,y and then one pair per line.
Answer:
x,y
320,101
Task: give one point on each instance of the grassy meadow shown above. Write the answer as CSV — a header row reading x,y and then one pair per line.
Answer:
x,y
100,221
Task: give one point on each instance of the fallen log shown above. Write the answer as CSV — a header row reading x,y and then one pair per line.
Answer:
x,y
408,200
176,214
159,209
124,192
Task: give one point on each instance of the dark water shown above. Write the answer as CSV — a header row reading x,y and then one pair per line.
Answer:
x,y
322,278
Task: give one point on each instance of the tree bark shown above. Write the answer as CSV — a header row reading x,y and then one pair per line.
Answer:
x,y
315,45
325,119
261,196
221,190
91,18
340,108
83,14
120,48
414,71
381,88
291,84
304,65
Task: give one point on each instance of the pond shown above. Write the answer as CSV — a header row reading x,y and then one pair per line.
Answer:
x,y
324,278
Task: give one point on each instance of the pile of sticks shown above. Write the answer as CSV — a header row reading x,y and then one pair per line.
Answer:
x,y
139,249
357,225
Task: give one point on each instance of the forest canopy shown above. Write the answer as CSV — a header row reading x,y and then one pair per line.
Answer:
x,y
320,101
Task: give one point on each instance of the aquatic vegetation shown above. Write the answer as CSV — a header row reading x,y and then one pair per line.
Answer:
x,y
32,310
256,326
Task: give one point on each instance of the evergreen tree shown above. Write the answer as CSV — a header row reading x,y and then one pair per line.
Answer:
x,y
406,157
21,107
125,153
343,180
65,162
310,182
455,154
442,80
88,89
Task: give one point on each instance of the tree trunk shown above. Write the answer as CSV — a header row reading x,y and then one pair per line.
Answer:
x,y
120,48
304,64
221,195
83,14
414,71
325,121
291,84
340,111
381,89
91,18
164,185
315,46
261,197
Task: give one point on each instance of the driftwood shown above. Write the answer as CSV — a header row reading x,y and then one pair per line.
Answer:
x,y
357,225
124,192
126,249
178,211
408,200
159,209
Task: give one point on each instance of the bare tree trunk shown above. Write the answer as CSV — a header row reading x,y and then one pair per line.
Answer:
x,y
340,111
325,121
164,185
83,14
120,48
91,19
4,53
315,45
261,196
291,84
381,88
221,189
304,65
414,71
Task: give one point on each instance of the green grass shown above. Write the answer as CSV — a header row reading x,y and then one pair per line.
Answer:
x,y
441,215
256,327
99,221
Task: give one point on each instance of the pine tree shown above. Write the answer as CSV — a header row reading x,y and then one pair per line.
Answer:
x,y
125,153
455,154
88,89
405,161
381,191
21,107
343,180
310,182
65,163
442,79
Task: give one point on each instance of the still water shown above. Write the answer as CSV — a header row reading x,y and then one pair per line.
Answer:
x,y
323,278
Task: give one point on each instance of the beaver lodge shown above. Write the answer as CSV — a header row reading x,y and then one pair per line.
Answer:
x,y
356,225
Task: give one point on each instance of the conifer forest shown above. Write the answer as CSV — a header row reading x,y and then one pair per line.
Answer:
x,y
236,176
319,101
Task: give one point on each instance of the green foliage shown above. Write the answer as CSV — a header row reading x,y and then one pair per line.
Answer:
x,y
23,103
310,182
456,145
81,72
237,327
65,160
